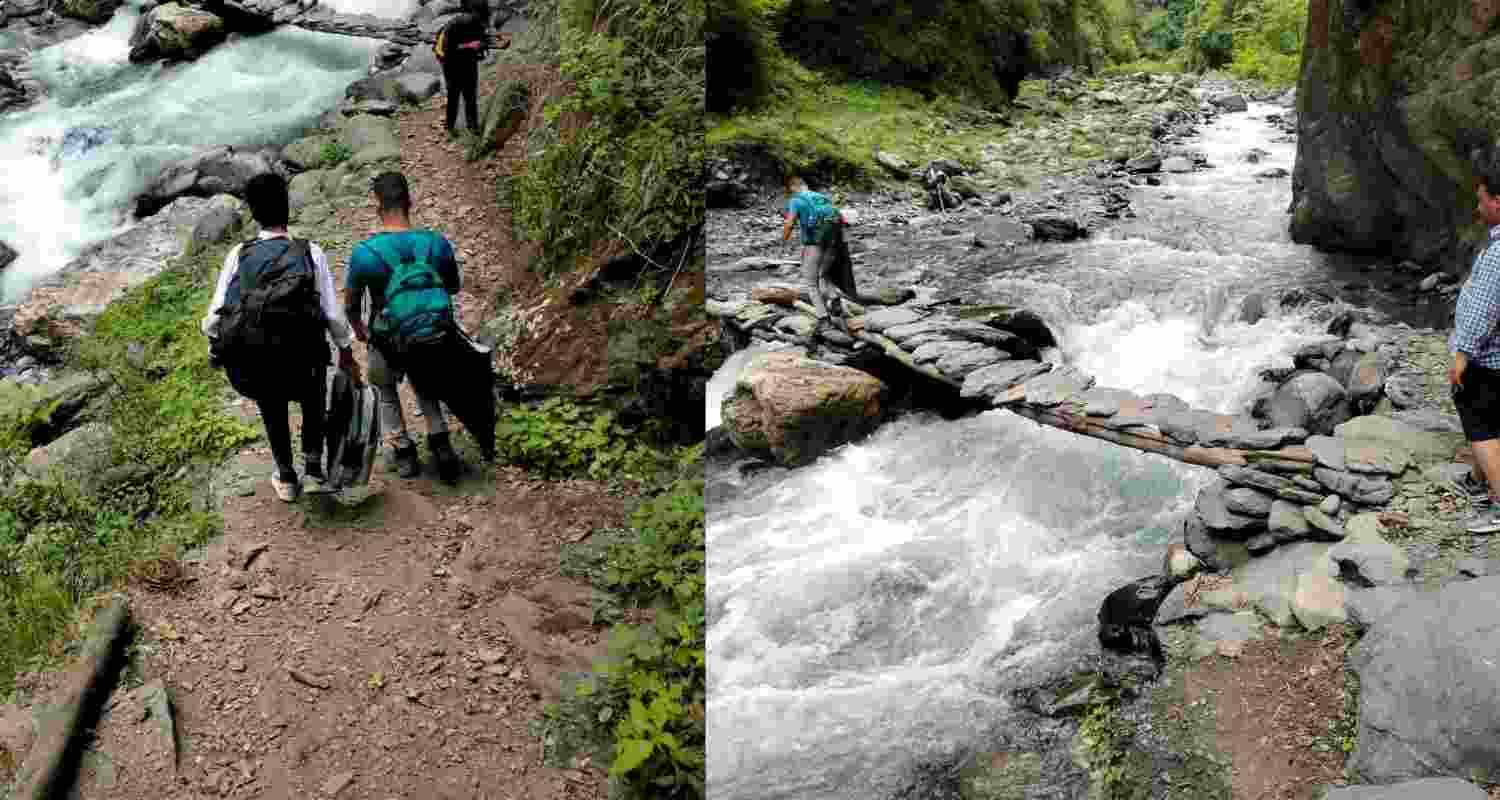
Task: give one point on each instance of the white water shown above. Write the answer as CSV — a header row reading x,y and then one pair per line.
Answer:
x,y
394,9
259,90
861,609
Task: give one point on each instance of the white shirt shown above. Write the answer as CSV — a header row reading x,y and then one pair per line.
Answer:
x,y
338,324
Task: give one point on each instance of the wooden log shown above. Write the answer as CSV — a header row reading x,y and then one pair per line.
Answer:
x,y
1212,457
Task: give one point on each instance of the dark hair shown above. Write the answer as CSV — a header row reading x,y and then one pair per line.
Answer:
x,y
792,177
391,192
267,197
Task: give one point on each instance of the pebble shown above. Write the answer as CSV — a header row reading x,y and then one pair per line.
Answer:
x,y
1330,505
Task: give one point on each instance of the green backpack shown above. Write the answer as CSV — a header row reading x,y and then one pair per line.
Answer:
x,y
418,310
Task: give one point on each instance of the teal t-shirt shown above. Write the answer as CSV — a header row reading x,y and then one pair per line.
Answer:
x,y
368,272
810,208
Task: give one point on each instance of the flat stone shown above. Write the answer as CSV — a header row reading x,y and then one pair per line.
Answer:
x,y
1319,601
1179,562
1365,558
1271,484
995,380
1216,554
882,318
1269,439
1270,583
1473,567
1249,502
1261,543
1330,505
1323,527
1430,420
1423,446
950,328
1304,482
1369,491
1100,401
1057,386
800,325
1287,523
1405,388
959,364
1375,457
1328,450
337,782
1213,509
929,353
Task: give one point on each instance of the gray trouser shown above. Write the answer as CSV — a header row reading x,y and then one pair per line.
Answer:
x,y
815,262
384,379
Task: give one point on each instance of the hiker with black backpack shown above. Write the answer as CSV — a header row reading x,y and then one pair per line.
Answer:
x,y
273,311
410,275
459,47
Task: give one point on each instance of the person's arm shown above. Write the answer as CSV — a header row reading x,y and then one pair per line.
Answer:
x,y
447,264
354,294
210,324
338,324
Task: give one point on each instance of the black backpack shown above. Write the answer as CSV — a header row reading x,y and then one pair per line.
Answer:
x,y
271,308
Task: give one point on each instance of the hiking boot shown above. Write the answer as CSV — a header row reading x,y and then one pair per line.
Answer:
x,y
1485,521
286,488
449,467
408,465
313,481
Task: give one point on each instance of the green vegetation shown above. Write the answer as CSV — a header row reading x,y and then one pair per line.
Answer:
x,y
335,153
64,537
563,439
634,172
642,710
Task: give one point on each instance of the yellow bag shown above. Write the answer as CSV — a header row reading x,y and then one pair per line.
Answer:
x,y
438,47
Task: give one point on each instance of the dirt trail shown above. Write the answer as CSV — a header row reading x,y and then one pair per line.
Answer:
x,y
427,625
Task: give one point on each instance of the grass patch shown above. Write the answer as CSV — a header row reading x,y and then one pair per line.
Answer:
x,y
642,709
563,439
61,539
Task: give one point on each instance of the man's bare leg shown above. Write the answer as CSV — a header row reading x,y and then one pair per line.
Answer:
x,y
1487,464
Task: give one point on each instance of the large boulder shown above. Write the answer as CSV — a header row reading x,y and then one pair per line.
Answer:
x,y
797,408
1312,401
175,32
1429,697
1421,789
218,170
1391,109
370,139
95,11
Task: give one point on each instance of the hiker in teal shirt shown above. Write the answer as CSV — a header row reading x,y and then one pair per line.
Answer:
x,y
824,252
368,272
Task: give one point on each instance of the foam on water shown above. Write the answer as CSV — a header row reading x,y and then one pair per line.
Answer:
x,y
56,200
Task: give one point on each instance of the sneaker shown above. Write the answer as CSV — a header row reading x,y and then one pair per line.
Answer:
x,y
286,490
1474,490
1485,521
449,467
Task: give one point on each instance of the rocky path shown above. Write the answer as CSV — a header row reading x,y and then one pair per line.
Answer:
x,y
402,645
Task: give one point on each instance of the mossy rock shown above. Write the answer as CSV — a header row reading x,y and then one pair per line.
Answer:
x,y
92,11
308,152
1000,776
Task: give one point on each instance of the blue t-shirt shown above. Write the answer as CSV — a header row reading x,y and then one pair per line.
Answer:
x,y
810,209
368,271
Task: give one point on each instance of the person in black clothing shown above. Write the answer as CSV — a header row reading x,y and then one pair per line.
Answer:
x,y
465,45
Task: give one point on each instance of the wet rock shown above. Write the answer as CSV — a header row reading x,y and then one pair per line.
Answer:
x,y
727,184
1287,522
1272,173
1127,614
1422,789
1252,308
797,408
7,255
1341,323
175,32
1330,505
957,364
994,381
1177,164
1271,582
1229,103
1311,400
222,222
1268,439
1411,724
1431,281
1104,402
950,328
1054,228
1366,380
218,170
1370,491
1057,386
1271,484
1248,502
1328,450
416,87
1213,509
894,164
1429,420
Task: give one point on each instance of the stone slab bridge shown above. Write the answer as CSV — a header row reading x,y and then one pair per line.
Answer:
x,y
1278,484
306,14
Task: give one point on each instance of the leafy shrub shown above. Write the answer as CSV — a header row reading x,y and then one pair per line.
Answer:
x,y
1216,48
635,171
562,439
335,153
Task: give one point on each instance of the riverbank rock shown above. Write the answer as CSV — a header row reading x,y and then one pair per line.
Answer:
x,y
218,170
63,304
1313,401
797,408
1429,698
1127,615
1229,103
175,32
7,255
